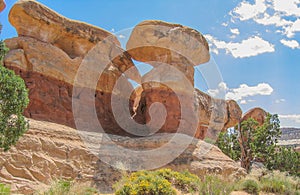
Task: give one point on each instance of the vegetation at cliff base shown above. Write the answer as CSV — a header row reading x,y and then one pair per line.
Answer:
x,y
250,142
13,101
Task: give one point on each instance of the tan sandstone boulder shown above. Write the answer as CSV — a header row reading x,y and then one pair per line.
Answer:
x,y
50,151
156,42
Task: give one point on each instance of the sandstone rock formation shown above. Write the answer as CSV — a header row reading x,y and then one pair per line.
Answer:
x,y
51,51
157,42
257,114
48,53
2,5
49,151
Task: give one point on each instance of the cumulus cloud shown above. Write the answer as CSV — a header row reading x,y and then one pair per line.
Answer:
x,y
271,12
249,47
288,7
244,91
290,43
240,93
235,31
246,11
219,92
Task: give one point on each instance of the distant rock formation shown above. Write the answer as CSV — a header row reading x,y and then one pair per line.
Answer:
x,y
290,137
49,151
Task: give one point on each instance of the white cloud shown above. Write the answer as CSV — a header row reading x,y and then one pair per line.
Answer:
x,y
243,102
219,92
275,19
292,29
246,91
235,31
292,117
240,93
246,11
288,7
279,101
224,24
250,47
290,43
121,36
271,12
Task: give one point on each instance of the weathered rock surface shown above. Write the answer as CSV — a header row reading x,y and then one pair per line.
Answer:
x,y
47,58
157,42
215,115
49,151
257,114
2,5
32,19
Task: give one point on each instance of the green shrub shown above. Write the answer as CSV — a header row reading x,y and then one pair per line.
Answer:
x,y
60,187
4,189
67,187
250,186
285,159
280,183
184,181
213,185
13,101
144,183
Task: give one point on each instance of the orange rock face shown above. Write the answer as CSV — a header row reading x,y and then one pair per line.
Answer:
x,y
2,5
257,114
46,56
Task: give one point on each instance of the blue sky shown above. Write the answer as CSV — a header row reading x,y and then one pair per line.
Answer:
x,y
255,44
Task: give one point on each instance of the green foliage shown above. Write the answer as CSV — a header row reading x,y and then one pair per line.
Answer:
x,y
60,187
67,187
250,142
250,186
184,181
144,183
287,160
13,101
280,183
265,138
228,143
4,190
211,185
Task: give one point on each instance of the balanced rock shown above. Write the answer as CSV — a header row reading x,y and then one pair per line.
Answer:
x,y
155,42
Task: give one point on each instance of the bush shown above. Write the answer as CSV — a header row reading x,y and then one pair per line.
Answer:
x,y
280,183
184,181
285,159
215,185
143,183
250,186
4,190
228,143
67,187
13,101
